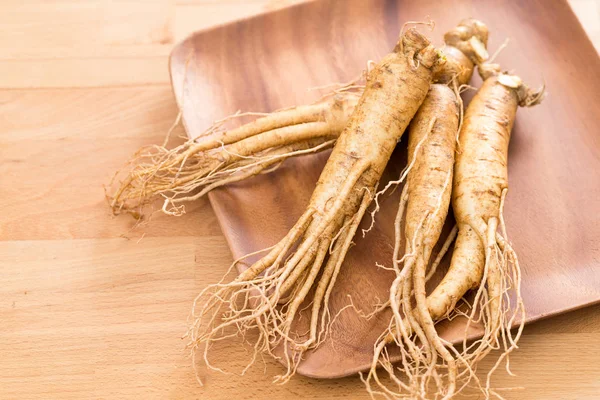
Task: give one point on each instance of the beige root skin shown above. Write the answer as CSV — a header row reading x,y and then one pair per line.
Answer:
x,y
395,89
482,257
245,169
229,156
458,67
424,205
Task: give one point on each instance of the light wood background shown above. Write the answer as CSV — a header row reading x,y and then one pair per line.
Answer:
x,y
90,308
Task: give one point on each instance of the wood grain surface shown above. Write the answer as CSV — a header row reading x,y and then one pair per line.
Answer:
x,y
91,309
319,43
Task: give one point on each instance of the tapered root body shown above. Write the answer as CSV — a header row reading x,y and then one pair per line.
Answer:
x,y
429,183
431,148
281,280
465,272
218,158
480,260
480,176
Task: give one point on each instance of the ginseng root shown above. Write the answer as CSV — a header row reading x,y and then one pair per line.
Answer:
x,y
424,206
267,296
217,158
483,257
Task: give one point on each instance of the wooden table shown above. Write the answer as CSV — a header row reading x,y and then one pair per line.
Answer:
x,y
90,308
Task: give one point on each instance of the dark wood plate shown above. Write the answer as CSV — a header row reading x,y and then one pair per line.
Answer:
x,y
553,206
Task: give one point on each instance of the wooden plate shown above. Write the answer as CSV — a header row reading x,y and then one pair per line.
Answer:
x,y
553,207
